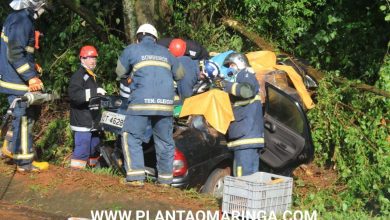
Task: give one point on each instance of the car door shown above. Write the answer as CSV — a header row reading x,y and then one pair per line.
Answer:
x,y
288,141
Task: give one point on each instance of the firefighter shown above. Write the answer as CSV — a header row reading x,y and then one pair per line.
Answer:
x,y
152,70
18,76
191,48
83,119
246,132
196,71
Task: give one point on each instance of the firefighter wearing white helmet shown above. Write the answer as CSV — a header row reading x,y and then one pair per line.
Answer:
x,y
146,29
151,70
35,5
19,76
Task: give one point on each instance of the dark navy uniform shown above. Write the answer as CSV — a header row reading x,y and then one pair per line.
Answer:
x,y
246,132
193,49
16,68
191,77
152,69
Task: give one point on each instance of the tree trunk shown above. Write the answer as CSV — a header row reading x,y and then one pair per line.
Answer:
x,y
88,16
129,20
318,75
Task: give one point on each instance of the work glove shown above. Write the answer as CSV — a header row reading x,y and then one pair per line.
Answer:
x,y
101,91
35,84
38,68
126,81
219,83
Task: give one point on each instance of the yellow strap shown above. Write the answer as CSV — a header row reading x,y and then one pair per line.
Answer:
x,y
91,74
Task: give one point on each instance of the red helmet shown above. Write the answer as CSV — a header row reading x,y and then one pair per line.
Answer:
x,y
88,51
177,47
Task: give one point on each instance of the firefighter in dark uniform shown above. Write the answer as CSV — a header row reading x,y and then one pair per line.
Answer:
x,y
152,70
192,48
196,71
18,76
83,120
191,68
246,132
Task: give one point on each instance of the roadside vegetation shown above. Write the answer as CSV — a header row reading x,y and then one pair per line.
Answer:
x,y
346,38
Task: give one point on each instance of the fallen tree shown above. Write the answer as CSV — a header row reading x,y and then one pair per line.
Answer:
x,y
318,75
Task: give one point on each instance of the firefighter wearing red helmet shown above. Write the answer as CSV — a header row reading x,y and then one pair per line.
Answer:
x,y
193,49
82,87
177,47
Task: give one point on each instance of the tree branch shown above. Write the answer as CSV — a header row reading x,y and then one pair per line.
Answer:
x,y
318,75
87,16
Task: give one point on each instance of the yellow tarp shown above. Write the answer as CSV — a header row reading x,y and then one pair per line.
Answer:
x,y
263,62
298,84
214,105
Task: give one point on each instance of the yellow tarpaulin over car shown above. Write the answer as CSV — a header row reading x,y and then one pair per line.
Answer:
x,y
263,62
214,105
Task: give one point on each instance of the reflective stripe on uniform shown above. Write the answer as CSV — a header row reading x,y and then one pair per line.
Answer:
x,y
165,176
29,49
124,88
23,68
245,142
80,164
234,87
126,150
135,173
13,86
23,156
124,94
87,94
176,98
155,107
76,128
5,38
24,136
92,161
151,63
246,102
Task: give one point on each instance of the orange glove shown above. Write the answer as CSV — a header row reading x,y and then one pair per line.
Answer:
x,y
35,84
38,68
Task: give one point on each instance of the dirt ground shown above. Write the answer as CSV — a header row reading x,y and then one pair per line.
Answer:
x,y
60,193
64,192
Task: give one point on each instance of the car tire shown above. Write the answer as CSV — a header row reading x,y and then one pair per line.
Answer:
x,y
214,183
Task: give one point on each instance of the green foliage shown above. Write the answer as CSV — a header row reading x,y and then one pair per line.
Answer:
x,y
384,75
349,36
64,47
350,131
56,142
213,36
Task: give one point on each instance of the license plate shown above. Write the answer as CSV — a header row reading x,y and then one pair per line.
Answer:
x,y
112,119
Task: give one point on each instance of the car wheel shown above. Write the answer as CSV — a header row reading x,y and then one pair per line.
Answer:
x,y
214,184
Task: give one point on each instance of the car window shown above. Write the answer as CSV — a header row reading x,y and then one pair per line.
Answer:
x,y
285,111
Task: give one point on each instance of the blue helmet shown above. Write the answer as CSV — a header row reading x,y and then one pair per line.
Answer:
x,y
211,69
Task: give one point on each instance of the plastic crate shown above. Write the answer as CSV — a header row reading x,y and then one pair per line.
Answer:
x,y
259,193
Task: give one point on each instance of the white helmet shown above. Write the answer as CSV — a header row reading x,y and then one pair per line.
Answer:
x,y
147,29
22,4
